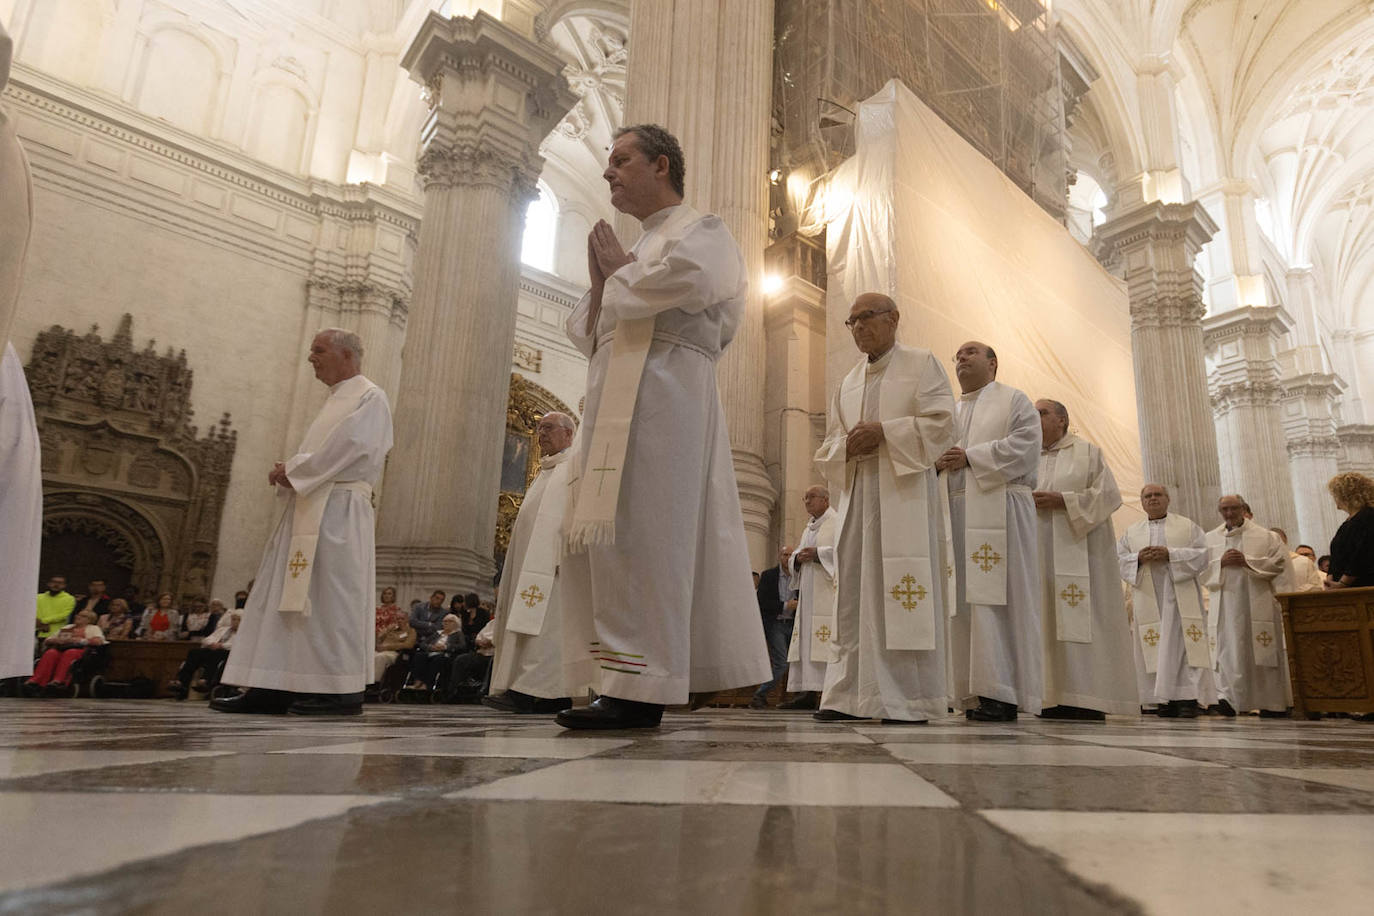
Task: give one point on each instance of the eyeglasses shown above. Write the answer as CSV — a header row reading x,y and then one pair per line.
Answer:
x,y
864,316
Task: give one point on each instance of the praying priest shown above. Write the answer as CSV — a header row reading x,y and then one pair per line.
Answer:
x,y
891,417
306,642
540,663
812,567
996,659
1087,639
655,505
1163,559
1244,559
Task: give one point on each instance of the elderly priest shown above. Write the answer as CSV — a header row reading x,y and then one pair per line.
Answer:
x,y
891,417
996,659
813,568
655,505
306,641
540,662
1244,559
1163,559
1088,669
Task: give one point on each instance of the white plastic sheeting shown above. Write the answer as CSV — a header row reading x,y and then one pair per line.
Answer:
x,y
919,214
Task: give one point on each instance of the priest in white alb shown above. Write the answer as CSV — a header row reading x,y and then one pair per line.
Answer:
x,y
540,663
1084,628
891,417
1163,559
812,566
1244,559
655,504
1300,574
996,659
305,645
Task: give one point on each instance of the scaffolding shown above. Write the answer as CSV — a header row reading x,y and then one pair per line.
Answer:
x,y
989,68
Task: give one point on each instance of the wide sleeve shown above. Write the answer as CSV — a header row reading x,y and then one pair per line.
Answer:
x,y
1191,561
363,434
830,457
913,443
579,328
1093,505
699,270
1128,559
826,556
1272,561
1017,454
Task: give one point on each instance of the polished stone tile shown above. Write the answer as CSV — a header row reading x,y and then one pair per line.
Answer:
x,y
571,747
843,752
16,763
1035,755
701,782
1277,756
771,736
87,833
1349,778
1145,740
1271,863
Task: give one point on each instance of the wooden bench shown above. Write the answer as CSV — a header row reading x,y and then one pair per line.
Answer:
x,y
156,660
1330,653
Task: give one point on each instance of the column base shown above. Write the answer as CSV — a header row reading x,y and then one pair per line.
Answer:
x,y
417,572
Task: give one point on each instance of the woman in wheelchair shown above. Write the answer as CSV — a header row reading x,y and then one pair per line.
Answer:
x,y
52,675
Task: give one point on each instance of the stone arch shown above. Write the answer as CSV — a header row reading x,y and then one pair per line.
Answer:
x,y
134,541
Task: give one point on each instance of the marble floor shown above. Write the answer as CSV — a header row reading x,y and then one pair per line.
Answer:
x,y
164,807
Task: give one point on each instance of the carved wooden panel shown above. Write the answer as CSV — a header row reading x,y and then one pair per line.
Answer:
x,y
1330,643
1331,665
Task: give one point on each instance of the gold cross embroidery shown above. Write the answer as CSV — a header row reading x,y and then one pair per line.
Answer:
x,y
1193,632
986,557
823,633
297,565
1152,637
904,592
532,596
1073,595
603,470
1264,639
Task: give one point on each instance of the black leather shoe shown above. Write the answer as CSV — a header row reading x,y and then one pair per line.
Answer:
x,y
1274,714
834,715
255,700
1187,709
1073,714
1169,710
906,721
1223,708
524,704
808,699
610,712
990,710
328,704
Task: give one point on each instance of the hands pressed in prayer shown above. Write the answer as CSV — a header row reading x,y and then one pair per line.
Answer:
x,y
863,439
1048,499
1153,555
606,249
806,555
277,477
1233,557
953,459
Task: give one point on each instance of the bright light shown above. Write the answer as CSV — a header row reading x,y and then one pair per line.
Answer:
x,y
775,176
771,284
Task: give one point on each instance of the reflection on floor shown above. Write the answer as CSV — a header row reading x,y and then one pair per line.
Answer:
x,y
147,806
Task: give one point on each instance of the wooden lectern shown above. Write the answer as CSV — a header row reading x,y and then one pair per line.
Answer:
x,y
1330,654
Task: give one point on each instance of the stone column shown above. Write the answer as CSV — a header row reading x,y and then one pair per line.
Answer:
x,y
494,96
1152,247
703,69
1309,424
1357,448
1242,346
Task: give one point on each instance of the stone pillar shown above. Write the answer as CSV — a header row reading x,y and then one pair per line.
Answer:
x,y
1357,448
703,69
494,96
1242,347
1152,247
1309,424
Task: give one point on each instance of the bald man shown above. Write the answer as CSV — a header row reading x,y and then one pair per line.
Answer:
x,y
812,567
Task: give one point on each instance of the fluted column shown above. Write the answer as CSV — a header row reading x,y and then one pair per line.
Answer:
x,y
1309,425
1152,248
703,69
1242,346
494,96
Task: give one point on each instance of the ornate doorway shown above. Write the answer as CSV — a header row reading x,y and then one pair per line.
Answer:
x,y
526,403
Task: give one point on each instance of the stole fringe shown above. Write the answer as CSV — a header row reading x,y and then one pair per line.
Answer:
x,y
590,534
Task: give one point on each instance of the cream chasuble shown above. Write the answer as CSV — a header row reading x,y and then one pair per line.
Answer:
x,y
814,629
891,589
1252,667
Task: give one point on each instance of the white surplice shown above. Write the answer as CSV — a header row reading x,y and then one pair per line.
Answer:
x,y
812,648
1085,666
672,600
1299,574
331,649
553,662
995,650
21,517
872,675
1252,666
1174,678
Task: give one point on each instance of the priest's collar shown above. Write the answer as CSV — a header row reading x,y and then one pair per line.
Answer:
x,y
1063,441
657,218
554,460
344,386
971,395
881,362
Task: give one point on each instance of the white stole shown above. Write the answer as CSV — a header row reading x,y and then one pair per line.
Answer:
x,y
1264,627
1072,595
985,509
308,511
1178,533
537,576
598,491
817,593
908,588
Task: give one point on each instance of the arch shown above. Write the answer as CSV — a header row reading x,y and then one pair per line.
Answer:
x,y
1112,94
281,121
180,78
134,537
539,243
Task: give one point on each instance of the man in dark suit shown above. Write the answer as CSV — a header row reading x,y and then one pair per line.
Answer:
x,y
778,605
95,600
